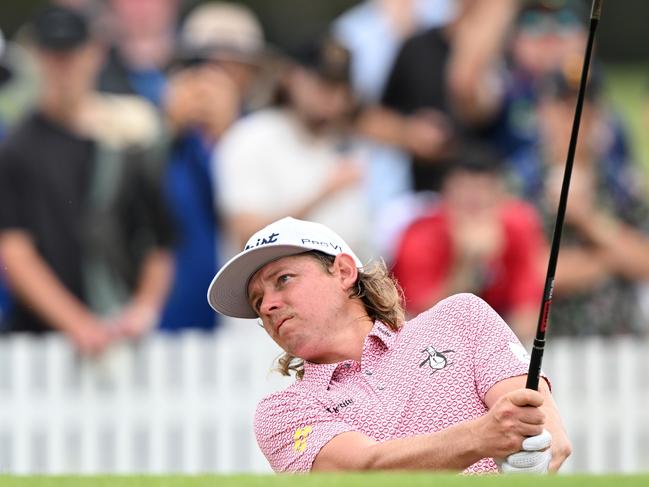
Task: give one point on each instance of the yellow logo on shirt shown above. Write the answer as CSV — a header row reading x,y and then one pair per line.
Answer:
x,y
300,437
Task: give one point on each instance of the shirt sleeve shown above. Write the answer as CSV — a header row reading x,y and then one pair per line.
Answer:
x,y
497,353
291,429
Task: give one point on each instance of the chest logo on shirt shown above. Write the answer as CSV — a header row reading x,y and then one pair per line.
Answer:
x,y
300,437
339,406
435,360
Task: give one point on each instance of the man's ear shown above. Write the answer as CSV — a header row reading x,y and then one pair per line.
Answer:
x,y
344,267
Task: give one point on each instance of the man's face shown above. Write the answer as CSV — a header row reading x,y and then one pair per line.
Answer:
x,y
472,193
546,42
242,74
70,73
147,17
320,103
300,304
555,118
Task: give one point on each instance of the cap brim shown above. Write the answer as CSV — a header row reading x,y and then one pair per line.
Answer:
x,y
227,293
258,57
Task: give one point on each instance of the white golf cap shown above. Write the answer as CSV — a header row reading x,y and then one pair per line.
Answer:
x,y
228,292
223,30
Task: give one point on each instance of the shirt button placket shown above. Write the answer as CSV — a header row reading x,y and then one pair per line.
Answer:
x,y
368,373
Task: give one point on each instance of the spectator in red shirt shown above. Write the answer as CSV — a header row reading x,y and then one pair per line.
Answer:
x,y
476,239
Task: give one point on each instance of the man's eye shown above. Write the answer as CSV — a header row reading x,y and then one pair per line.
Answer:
x,y
283,278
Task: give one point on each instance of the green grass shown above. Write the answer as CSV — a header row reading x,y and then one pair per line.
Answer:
x,y
332,480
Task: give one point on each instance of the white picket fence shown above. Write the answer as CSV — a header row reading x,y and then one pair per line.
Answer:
x,y
185,404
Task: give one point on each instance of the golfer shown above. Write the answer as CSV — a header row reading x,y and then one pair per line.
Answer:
x,y
443,391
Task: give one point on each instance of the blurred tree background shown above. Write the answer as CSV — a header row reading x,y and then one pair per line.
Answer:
x,y
623,44
623,36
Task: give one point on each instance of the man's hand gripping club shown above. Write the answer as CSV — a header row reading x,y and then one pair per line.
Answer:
x,y
513,433
533,458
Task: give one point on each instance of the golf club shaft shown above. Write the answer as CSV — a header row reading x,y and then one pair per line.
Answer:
x,y
536,359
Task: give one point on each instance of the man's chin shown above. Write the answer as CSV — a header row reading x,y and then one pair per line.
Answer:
x,y
301,349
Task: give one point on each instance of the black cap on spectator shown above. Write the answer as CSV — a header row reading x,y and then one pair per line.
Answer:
x,y
327,58
59,28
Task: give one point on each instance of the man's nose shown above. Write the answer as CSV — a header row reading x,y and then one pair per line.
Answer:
x,y
271,302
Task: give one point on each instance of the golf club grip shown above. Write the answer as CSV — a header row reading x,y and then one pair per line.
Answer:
x,y
536,359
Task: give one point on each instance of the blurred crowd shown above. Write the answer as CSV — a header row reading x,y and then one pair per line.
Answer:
x,y
140,148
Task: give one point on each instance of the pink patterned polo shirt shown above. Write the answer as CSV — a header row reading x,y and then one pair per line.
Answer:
x,y
428,376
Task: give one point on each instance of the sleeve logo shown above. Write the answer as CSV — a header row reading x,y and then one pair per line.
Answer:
x,y
300,437
519,352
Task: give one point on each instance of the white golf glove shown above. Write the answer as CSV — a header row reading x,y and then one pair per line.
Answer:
x,y
533,458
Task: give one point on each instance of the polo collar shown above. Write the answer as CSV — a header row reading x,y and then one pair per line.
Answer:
x,y
320,374
384,333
